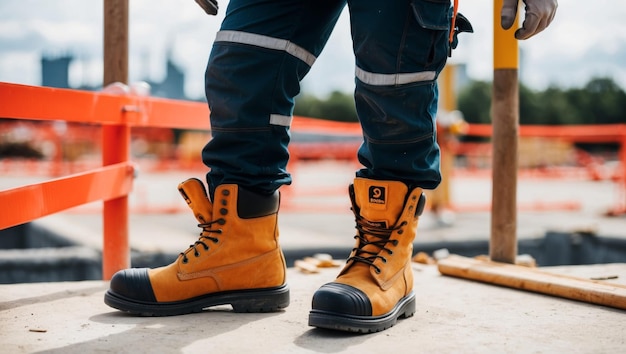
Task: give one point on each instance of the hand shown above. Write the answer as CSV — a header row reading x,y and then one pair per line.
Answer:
x,y
539,14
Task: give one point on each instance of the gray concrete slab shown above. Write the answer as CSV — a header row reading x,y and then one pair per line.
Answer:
x,y
453,316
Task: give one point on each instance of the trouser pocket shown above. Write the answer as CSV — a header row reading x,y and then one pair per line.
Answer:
x,y
433,19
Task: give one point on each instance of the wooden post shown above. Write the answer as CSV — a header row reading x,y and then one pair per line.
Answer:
x,y
116,138
505,116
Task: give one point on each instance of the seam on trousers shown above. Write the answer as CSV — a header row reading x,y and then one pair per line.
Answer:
x,y
397,142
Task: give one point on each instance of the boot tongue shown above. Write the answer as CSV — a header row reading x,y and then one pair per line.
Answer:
x,y
195,195
380,202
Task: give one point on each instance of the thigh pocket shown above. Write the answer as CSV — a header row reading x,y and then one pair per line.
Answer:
x,y
429,38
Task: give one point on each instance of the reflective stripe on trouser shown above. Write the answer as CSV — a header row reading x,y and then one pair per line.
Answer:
x,y
263,51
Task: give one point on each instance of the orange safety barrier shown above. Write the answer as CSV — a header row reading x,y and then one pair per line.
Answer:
x,y
607,133
24,204
575,133
116,113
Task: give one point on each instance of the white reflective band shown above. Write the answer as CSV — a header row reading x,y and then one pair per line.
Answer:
x,y
266,42
277,119
393,79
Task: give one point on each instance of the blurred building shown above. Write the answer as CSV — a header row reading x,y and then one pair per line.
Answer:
x,y
55,70
55,73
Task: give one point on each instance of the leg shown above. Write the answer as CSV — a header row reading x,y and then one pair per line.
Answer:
x,y
400,48
396,90
261,53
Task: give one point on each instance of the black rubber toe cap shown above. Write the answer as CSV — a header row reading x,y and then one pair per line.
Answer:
x,y
133,283
342,298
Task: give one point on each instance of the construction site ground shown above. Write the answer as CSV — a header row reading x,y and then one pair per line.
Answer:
x,y
453,315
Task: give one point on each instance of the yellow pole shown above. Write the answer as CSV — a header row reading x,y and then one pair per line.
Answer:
x,y
448,79
440,196
505,117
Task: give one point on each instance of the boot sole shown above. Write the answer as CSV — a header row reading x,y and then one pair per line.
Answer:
x,y
252,300
363,324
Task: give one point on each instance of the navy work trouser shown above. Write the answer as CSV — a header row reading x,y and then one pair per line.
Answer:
x,y
265,48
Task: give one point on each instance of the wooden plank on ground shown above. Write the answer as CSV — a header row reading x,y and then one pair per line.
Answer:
x,y
535,280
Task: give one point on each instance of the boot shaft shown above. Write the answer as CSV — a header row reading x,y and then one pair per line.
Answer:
x,y
386,215
248,204
237,224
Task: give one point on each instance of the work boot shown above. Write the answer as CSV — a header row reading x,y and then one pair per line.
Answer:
x,y
375,287
237,260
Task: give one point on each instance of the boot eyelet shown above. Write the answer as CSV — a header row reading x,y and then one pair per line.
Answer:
x,y
223,211
221,221
377,270
400,232
196,254
384,260
185,260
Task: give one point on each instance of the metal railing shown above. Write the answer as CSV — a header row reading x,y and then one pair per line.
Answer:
x,y
113,181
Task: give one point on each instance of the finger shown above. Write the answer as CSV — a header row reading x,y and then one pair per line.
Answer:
x,y
508,13
534,24
530,27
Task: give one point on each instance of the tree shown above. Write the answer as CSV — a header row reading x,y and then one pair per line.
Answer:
x,y
475,102
605,103
600,101
338,107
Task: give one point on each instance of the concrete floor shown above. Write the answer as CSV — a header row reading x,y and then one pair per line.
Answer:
x,y
453,316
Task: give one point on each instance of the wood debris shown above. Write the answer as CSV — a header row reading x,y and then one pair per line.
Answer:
x,y
423,258
37,330
313,264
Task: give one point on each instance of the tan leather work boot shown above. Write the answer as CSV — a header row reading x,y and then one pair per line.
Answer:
x,y
375,288
237,260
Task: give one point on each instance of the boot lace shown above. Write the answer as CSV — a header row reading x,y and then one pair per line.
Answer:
x,y
205,236
377,236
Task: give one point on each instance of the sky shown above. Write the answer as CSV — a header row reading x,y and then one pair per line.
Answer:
x,y
587,39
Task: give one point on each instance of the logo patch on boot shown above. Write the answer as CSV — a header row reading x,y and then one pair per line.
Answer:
x,y
377,195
